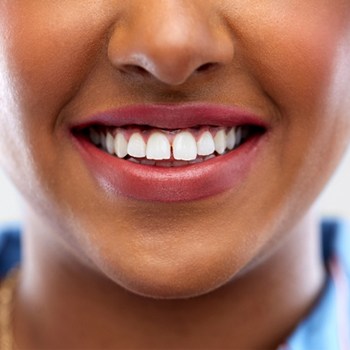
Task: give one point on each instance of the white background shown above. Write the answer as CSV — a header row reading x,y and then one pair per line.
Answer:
x,y
334,201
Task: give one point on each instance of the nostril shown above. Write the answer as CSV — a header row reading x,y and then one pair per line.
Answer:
x,y
140,71
206,67
130,68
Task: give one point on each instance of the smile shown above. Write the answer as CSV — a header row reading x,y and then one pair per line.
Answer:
x,y
169,148
169,153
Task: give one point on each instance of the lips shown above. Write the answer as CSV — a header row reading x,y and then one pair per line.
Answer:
x,y
168,180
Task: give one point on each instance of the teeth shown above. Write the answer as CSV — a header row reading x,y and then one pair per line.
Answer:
x,y
197,160
136,146
158,147
95,136
179,163
209,157
205,145
103,140
110,143
148,162
185,146
120,145
231,139
180,147
164,164
220,141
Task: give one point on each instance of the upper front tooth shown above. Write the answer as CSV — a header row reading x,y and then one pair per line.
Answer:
x,y
110,143
136,146
231,139
184,146
220,141
120,145
205,145
158,147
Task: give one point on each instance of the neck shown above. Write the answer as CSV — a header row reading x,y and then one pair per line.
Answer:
x,y
62,304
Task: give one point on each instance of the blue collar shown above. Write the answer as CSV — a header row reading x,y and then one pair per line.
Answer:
x,y
327,326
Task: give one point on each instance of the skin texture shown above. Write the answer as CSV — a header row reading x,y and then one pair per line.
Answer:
x,y
237,270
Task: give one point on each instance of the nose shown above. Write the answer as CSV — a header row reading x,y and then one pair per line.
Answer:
x,y
170,41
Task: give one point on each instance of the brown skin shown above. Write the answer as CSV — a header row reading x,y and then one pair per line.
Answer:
x,y
249,256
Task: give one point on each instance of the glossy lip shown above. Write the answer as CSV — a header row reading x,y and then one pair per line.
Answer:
x,y
173,116
178,184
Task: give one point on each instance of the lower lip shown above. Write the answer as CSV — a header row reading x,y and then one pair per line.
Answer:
x,y
176,184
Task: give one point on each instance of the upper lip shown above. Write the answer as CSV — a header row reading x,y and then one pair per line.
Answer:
x,y
173,116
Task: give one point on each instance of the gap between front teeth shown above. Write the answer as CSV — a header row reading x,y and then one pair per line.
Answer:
x,y
160,145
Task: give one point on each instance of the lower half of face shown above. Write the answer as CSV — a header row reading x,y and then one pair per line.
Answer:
x,y
148,222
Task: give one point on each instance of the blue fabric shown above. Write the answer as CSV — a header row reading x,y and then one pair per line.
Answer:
x,y
321,330
10,247
318,331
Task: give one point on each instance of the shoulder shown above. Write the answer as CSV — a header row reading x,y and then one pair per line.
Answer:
x,y
10,247
327,325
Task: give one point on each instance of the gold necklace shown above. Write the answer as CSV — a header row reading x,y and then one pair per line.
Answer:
x,y
7,289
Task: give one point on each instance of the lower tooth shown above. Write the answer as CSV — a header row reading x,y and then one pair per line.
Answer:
x,y
177,163
198,160
148,162
164,164
210,157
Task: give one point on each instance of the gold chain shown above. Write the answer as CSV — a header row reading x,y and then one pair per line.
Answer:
x,y
7,289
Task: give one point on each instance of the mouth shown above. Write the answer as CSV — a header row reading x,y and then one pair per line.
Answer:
x,y
167,148
167,153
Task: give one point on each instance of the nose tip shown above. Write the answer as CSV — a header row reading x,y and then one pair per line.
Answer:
x,y
170,65
169,48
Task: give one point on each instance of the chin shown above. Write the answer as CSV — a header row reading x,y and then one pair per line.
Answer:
x,y
171,280
171,265
181,288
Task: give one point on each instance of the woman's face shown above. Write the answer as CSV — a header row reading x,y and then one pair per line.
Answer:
x,y
67,66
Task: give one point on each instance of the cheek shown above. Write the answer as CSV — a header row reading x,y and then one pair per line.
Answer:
x,y
46,53
294,51
299,54
313,93
301,57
